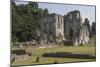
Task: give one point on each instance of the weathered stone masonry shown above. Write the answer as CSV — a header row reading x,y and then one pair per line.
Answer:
x,y
52,28
56,28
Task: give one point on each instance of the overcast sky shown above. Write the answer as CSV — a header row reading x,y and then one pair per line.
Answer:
x,y
62,9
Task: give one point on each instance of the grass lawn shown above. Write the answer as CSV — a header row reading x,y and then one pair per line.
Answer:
x,y
37,52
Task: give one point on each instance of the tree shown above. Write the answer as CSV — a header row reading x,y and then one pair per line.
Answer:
x,y
86,22
46,11
33,5
93,28
26,21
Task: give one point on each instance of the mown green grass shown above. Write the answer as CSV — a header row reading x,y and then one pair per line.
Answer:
x,y
37,52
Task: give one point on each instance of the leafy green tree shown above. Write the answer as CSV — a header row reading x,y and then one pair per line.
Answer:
x,y
46,12
93,28
26,21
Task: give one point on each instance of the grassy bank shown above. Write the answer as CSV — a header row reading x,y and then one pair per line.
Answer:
x,y
38,52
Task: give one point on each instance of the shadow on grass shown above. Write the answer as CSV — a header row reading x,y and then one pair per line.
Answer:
x,y
69,55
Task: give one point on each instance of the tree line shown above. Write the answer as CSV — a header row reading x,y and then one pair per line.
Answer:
x,y
25,21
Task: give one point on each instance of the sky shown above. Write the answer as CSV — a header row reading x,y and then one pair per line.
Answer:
x,y
63,9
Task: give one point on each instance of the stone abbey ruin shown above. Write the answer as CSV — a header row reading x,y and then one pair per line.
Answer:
x,y
68,28
57,29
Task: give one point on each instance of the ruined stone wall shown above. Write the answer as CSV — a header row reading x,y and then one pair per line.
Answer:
x,y
52,27
72,24
74,30
59,23
84,35
69,27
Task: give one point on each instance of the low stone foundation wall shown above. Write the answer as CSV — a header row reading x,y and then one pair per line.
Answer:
x,y
69,55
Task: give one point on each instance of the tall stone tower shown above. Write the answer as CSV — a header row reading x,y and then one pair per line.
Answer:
x,y
72,25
